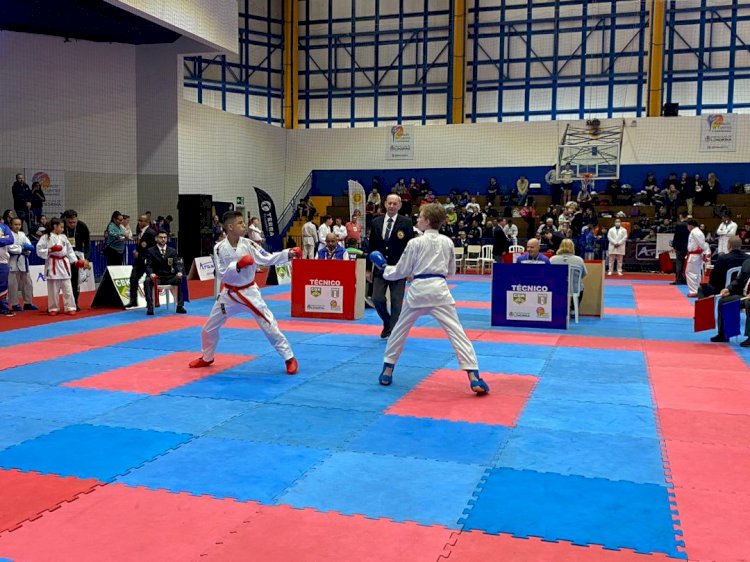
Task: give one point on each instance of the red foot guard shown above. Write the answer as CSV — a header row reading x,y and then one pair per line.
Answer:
x,y
200,362
291,366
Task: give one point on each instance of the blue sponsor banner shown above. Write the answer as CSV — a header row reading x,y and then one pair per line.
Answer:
x,y
530,295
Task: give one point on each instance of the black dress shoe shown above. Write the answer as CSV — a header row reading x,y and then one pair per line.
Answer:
x,y
385,333
150,312
719,339
745,343
131,305
180,310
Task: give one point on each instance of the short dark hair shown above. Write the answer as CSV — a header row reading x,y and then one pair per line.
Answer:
x,y
170,218
231,216
69,214
683,214
693,222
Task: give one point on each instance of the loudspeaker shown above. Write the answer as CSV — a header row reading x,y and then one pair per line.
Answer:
x,y
195,237
671,110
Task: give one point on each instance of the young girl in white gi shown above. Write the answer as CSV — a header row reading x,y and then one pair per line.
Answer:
x,y
19,282
428,259
235,259
59,256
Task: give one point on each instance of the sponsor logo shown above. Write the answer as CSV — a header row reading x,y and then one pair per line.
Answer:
x,y
335,292
334,304
265,206
645,252
715,121
397,131
316,291
541,299
519,298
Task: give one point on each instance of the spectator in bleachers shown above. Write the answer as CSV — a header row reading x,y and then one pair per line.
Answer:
x,y
522,190
254,232
726,230
354,229
672,200
650,187
19,278
451,214
216,227
584,196
309,238
21,199
114,240
414,190
555,185
686,187
428,198
493,191
37,230
166,225
528,214
475,232
339,230
332,250
566,177
636,233
424,186
547,226
490,211
511,230
462,240
650,236
670,180
37,203
712,189
472,206
373,201
700,190
79,237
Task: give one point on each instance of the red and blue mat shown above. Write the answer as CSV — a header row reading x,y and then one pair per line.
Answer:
x,y
625,438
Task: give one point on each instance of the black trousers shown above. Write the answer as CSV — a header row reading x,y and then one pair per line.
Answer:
x,y
148,288
679,266
743,305
139,268
113,256
396,290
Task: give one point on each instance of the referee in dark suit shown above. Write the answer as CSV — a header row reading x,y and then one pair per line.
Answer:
x,y
389,235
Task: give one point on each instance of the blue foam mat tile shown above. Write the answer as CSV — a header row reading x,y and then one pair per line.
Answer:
x,y
616,419
367,373
114,357
12,389
601,357
15,430
403,489
373,358
322,428
52,372
373,398
461,442
187,339
620,457
72,405
573,508
611,392
578,372
509,365
239,386
514,350
227,468
178,414
89,451
329,342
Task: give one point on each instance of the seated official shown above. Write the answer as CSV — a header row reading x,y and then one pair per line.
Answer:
x,y
736,290
332,249
735,257
532,254
566,255
165,267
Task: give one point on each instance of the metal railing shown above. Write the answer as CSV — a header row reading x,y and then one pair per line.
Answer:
x,y
287,216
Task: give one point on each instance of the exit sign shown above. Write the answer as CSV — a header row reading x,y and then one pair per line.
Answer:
x,y
240,200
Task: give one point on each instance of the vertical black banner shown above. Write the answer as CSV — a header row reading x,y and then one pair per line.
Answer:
x,y
269,220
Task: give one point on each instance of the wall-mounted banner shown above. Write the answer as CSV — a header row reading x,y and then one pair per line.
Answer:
x,y
400,144
718,133
53,186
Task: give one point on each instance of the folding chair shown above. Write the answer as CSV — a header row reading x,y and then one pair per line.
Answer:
x,y
473,257
459,253
574,287
487,258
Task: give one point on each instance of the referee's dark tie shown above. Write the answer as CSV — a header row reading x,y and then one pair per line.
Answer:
x,y
388,228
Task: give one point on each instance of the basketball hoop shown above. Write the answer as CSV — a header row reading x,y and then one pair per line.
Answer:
x,y
587,181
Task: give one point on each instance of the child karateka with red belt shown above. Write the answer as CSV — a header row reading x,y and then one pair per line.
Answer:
x,y
59,257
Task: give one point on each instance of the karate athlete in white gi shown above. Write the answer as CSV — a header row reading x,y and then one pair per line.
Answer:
x,y
428,259
698,253
59,257
236,259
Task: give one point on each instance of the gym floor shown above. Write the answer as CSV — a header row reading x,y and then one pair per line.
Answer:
x,y
624,438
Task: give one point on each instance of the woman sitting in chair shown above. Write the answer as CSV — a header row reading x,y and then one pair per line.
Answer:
x,y
566,254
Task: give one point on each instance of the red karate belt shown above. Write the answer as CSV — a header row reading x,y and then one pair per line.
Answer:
x,y
233,292
64,261
690,253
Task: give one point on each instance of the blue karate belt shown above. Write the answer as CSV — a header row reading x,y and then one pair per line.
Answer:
x,y
429,276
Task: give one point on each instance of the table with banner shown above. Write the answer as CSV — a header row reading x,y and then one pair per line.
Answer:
x,y
332,289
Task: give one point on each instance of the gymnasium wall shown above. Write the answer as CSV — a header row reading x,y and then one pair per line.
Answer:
x,y
70,106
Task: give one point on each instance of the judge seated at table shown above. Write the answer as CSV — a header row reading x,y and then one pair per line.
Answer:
x,y
532,254
332,250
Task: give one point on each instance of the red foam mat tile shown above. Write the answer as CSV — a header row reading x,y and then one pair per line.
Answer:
x,y
474,304
446,395
281,533
26,353
474,546
709,467
705,427
703,378
24,495
601,342
720,400
695,358
662,300
117,523
158,375
715,525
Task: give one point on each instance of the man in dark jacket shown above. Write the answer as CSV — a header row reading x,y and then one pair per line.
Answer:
x,y
145,239
389,235
500,244
737,290
165,267
22,199
735,257
80,238
679,243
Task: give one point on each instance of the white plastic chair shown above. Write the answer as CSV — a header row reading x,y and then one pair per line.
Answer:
x,y
486,258
516,250
731,274
459,253
473,257
575,275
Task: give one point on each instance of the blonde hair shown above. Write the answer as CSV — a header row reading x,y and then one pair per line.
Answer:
x,y
566,247
434,214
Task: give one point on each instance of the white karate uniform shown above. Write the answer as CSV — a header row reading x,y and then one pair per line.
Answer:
x,y
431,253
19,279
697,248
323,231
57,270
309,240
340,232
239,293
616,253
724,232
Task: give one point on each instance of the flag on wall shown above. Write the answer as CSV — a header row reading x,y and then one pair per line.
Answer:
x,y
356,198
269,220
